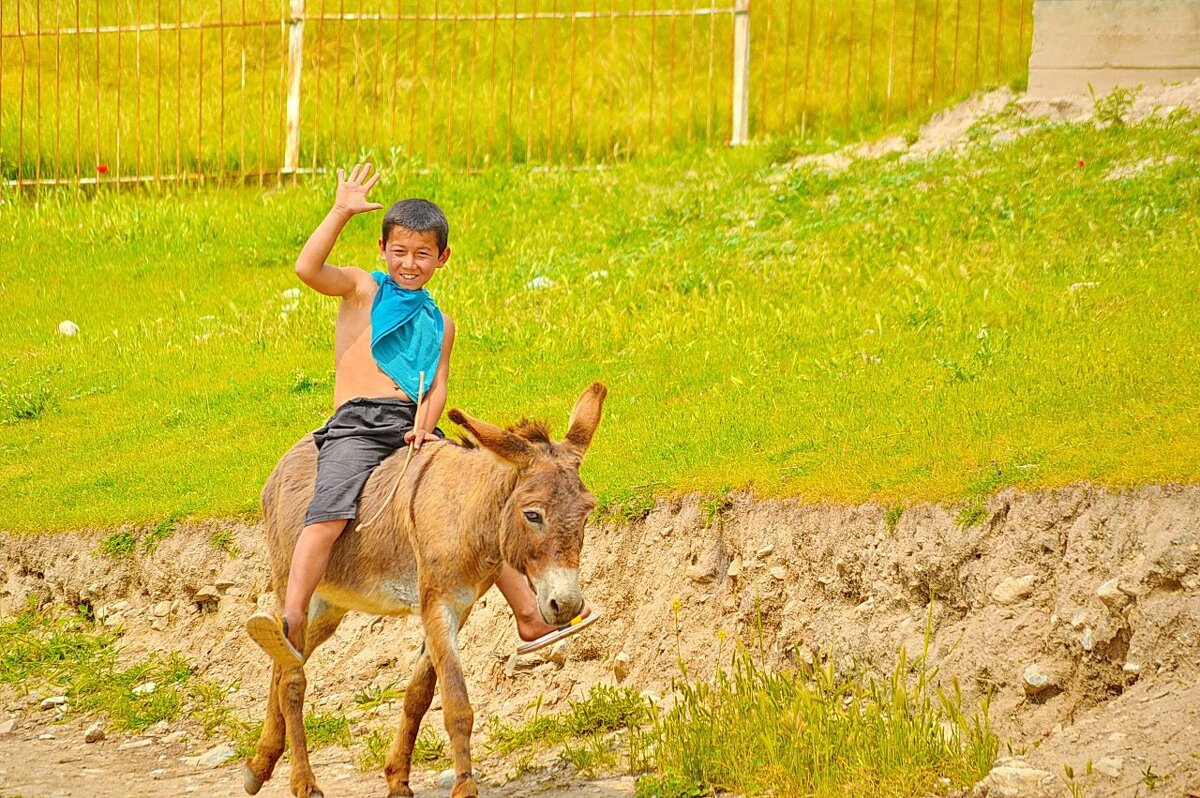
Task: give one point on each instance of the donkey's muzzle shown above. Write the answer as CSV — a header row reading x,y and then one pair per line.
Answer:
x,y
558,594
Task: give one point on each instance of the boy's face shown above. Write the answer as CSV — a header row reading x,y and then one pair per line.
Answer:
x,y
412,257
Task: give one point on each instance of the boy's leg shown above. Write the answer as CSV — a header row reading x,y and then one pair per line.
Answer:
x,y
309,561
515,588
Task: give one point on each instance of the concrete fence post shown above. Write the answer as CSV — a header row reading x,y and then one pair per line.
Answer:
x,y
741,73
291,154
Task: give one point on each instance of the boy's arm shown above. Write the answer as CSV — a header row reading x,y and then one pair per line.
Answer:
x,y
435,401
351,199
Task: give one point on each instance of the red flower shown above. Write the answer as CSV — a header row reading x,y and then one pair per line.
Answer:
x,y
1080,162
102,168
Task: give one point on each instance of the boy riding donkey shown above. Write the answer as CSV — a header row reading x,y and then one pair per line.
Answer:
x,y
392,364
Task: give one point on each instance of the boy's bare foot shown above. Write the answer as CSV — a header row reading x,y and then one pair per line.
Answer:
x,y
532,626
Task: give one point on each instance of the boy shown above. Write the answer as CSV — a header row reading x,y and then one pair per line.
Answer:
x,y
389,331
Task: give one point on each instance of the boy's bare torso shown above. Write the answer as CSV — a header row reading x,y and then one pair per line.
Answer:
x,y
355,371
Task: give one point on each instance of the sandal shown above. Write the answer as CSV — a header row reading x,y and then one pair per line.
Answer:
x,y
270,632
576,626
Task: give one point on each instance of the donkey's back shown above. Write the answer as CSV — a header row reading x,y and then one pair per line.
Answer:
x,y
370,569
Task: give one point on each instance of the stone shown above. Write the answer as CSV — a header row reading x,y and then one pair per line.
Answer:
x,y
735,568
779,572
145,688
161,609
1111,594
1015,780
174,737
224,584
159,624
700,573
53,701
7,726
1035,680
216,756
1013,589
94,733
765,551
114,620
446,779
620,666
1109,766
143,742
1133,668
46,736
558,653
666,530
206,593
1088,639
68,327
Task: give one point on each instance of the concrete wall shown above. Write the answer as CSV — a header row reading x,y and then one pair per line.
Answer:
x,y
1111,43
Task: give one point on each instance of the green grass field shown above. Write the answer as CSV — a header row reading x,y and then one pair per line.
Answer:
x,y
902,332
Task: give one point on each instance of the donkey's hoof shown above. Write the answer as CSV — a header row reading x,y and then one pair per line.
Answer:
x,y
250,782
465,787
403,791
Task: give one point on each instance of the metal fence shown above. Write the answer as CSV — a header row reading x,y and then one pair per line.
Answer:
x,y
119,91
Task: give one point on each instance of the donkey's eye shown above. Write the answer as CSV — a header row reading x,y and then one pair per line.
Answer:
x,y
533,516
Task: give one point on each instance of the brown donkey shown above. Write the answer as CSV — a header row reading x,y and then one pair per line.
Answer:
x,y
458,512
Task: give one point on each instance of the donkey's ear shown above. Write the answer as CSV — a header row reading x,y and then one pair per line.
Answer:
x,y
585,418
502,443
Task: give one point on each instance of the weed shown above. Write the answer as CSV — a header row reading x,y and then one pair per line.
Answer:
x,y
223,539
375,695
27,402
628,508
970,512
606,709
814,732
161,531
119,544
324,728
590,756
1150,778
891,519
712,507
429,750
1113,107
373,754
669,785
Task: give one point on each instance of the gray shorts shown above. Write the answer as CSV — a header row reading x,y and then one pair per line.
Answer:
x,y
356,439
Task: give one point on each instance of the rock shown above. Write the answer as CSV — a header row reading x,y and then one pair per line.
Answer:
x,y
143,742
206,593
1132,667
1113,597
1087,640
620,666
46,736
765,551
114,620
94,733
735,568
161,610
1015,780
1035,680
666,530
779,572
215,756
701,573
53,701
224,584
1109,766
174,737
7,726
68,327
145,688
1013,589
291,293
558,653
159,624
446,779
539,282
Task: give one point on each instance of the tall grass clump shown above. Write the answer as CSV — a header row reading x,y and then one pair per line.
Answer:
x,y
816,732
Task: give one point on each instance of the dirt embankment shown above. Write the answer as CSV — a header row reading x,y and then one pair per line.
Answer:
x,y
1078,610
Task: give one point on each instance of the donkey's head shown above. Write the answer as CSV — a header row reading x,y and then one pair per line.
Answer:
x,y
542,525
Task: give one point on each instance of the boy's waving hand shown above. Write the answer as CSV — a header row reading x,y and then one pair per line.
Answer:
x,y
350,200
352,192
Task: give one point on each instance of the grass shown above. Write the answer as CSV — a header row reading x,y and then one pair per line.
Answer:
x,y
605,709
172,102
901,332
814,732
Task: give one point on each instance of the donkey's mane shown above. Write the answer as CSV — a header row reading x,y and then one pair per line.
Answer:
x,y
531,430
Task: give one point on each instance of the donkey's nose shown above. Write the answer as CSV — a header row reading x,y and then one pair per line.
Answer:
x,y
564,608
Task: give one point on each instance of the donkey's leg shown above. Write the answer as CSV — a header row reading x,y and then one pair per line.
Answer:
x,y
441,633
322,620
270,743
416,703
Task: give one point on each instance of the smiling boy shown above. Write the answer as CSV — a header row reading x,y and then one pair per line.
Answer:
x,y
390,333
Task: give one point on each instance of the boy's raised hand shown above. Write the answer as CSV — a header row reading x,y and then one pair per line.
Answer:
x,y
352,191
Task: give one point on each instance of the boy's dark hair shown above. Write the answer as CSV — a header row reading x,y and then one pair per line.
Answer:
x,y
418,216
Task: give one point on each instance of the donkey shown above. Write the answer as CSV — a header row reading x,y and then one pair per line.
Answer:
x,y
459,510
